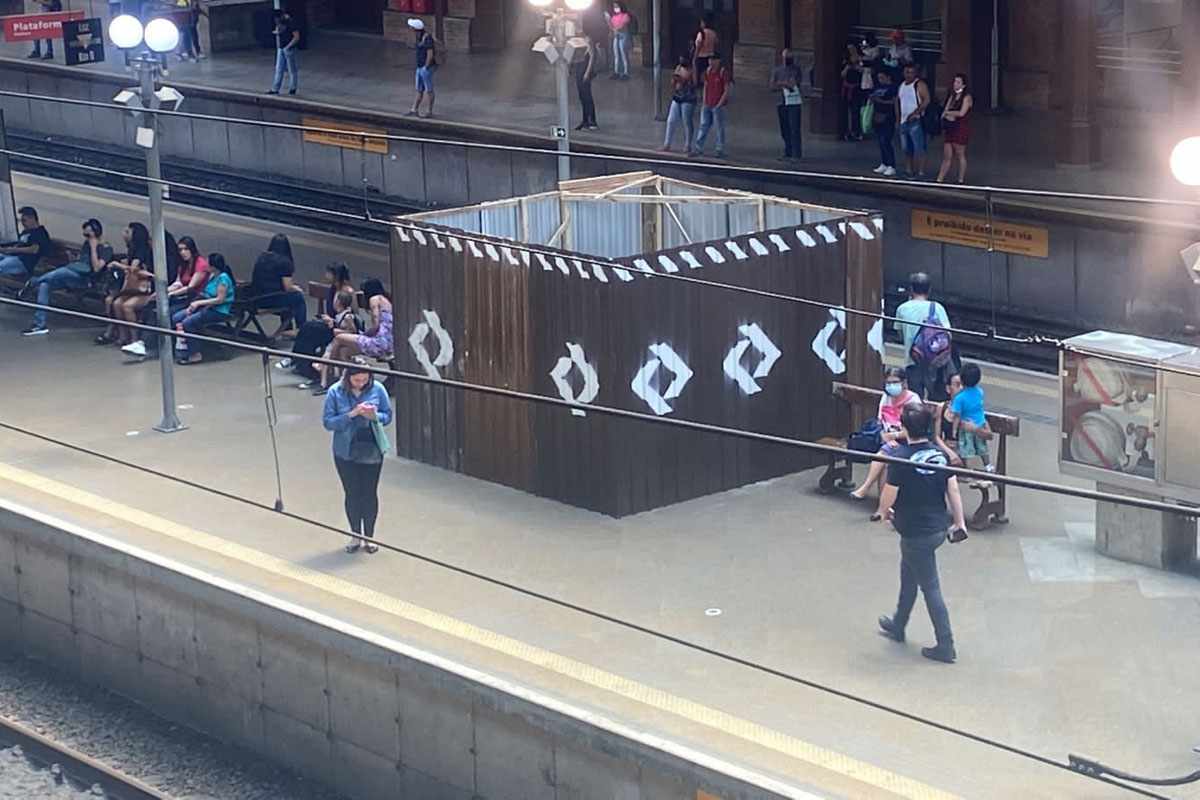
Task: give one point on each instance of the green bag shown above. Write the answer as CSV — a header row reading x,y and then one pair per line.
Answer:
x,y
867,117
381,438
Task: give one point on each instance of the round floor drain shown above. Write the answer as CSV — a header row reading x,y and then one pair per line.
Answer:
x,y
712,612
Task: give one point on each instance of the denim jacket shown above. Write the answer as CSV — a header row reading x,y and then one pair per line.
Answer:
x,y
338,405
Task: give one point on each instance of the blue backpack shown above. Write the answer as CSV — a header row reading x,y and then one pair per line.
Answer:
x,y
931,345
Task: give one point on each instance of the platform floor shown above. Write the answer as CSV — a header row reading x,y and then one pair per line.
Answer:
x,y
515,91
1060,651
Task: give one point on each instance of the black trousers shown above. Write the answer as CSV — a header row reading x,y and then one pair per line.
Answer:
x,y
313,338
790,130
360,482
584,87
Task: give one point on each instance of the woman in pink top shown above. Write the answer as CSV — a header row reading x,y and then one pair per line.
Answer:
x,y
896,395
620,21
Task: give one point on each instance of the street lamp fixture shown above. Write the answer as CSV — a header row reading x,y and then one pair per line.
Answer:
x,y
1185,161
560,45
159,36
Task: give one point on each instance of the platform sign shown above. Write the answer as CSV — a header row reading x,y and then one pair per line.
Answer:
x,y
334,138
30,27
968,231
83,40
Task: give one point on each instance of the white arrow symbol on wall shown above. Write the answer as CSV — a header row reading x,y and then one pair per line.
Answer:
x,y
821,343
416,340
591,381
733,360
664,357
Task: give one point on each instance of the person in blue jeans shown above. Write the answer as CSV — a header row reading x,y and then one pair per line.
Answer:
x,y
19,259
919,498
717,86
883,122
913,99
214,306
94,256
287,41
426,49
620,22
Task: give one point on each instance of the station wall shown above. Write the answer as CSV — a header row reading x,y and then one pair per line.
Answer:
x,y
282,682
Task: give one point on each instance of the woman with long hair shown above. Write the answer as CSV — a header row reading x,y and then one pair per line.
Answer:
x,y
125,277
190,276
956,127
213,307
316,334
357,409
375,343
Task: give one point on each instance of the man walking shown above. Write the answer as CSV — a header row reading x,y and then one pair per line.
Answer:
x,y
785,79
426,49
919,497
917,312
48,7
287,40
913,99
717,85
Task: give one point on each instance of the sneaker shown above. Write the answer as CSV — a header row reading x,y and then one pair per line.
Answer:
x,y
285,363
272,91
34,54
889,629
990,468
880,169
291,91
48,57
888,172
944,654
137,348
35,330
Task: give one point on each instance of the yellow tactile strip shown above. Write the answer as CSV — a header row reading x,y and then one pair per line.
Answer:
x,y
752,732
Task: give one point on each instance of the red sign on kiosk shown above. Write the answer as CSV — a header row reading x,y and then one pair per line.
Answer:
x,y
27,27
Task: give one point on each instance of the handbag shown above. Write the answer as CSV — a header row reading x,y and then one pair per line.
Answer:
x,y
867,439
381,438
867,117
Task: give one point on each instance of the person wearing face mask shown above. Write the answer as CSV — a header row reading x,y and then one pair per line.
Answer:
x,y
896,397
785,79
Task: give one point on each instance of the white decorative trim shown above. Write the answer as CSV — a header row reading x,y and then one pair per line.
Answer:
x,y
623,275
491,251
403,236
455,244
474,250
862,230
778,241
806,239
714,255
525,257
878,223
562,265
667,263
438,241
579,268
598,271
545,264
758,247
420,237
508,254
828,235
690,259
737,251
642,266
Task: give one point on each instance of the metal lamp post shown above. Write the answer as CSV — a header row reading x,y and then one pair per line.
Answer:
x,y
559,46
159,36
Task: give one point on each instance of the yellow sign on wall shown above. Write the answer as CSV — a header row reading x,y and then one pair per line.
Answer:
x,y
1021,240
348,140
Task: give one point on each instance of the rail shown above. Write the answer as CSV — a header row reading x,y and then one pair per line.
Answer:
x,y
71,765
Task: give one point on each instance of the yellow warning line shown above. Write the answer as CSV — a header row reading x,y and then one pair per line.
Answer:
x,y
587,674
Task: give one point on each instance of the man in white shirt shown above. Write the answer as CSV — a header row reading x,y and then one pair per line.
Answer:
x,y
913,99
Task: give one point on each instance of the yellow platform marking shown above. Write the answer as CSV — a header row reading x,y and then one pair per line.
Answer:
x,y
587,674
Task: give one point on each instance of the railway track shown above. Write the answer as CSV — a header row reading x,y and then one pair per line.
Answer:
x,y
69,766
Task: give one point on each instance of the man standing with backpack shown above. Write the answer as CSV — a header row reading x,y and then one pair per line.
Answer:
x,y
927,343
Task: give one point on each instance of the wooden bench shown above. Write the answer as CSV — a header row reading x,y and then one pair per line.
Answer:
x,y
993,509
60,255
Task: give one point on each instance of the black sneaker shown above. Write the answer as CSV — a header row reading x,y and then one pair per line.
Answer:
x,y
889,629
35,330
49,56
945,654
34,54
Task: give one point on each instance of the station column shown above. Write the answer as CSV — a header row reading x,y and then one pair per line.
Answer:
x,y
830,30
760,35
1077,136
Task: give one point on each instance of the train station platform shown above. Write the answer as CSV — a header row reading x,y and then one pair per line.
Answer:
x,y
1060,650
513,94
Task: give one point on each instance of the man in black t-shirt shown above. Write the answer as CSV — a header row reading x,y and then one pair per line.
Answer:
x,y
919,498
287,42
18,259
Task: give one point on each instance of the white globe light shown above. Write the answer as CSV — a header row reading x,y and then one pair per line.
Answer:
x,y
578,5
161,35
125,31
1185,161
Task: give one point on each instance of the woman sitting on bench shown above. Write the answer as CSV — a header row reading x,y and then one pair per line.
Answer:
x,y
375,343
896,396
316,334
212,309
190,277
138,258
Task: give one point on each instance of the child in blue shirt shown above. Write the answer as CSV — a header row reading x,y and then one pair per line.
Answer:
x,y
967,407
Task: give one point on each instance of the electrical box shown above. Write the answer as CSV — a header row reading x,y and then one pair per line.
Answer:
x,y
1130,413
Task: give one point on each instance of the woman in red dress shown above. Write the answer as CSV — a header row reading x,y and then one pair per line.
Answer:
x,y
956,125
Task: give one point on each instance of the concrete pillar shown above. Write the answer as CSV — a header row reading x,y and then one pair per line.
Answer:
x,y
1077,135
760,35
1153,538
831,27
956,44
1187,90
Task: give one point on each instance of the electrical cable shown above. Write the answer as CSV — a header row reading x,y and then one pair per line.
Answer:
x,y
702,427
534,250
1093,769
633,159
600,615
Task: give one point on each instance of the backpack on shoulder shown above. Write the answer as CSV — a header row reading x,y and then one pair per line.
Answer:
x,y
931,345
